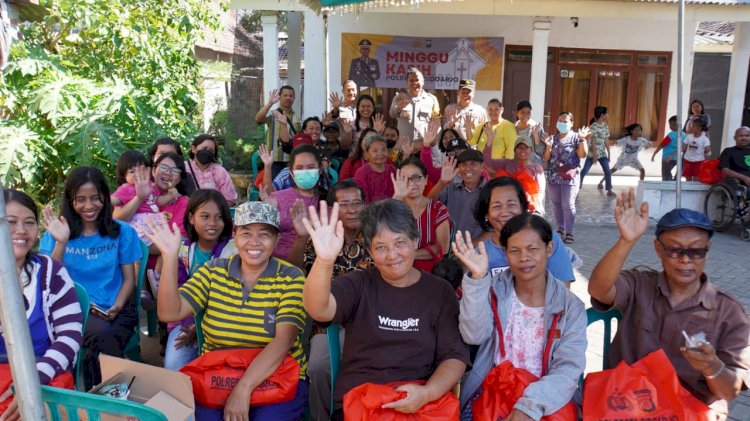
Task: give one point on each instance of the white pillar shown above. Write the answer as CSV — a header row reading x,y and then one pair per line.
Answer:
x,y
315,75
540,27
737,82
269,22
293,55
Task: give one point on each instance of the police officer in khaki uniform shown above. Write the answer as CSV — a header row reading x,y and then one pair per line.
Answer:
x,y
364,71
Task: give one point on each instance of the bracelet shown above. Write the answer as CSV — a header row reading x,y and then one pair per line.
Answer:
x,y
716,374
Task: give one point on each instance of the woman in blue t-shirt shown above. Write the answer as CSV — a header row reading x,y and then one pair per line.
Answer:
x,y
501,199
100,254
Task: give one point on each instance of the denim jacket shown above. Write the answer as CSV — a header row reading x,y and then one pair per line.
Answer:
x,y
567,358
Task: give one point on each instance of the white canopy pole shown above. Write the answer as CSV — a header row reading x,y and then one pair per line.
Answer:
x,y
680,99
16,329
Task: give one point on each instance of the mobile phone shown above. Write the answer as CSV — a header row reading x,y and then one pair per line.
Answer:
x,y
99,311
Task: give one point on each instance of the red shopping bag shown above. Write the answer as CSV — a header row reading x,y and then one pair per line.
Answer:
x,y
364,403
214,375
709,172
648,389
504,384
63,381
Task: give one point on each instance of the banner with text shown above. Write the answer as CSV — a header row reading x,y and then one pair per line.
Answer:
x,y
382,60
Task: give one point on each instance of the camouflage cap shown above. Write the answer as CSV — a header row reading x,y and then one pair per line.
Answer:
x,y
256,213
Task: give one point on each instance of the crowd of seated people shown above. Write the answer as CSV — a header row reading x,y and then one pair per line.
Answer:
x,y
356,213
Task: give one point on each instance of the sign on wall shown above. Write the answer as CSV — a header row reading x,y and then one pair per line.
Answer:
x,y
382,60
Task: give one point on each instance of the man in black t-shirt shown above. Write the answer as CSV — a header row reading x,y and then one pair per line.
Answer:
x,y
735,161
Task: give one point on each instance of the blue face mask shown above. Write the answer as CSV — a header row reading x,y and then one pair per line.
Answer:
x,y
564,127
306,179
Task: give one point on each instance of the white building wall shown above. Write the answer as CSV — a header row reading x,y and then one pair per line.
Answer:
x,y
616,34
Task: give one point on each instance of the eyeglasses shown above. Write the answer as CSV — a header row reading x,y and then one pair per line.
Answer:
x,y
171,170
676,252
416,178
350,205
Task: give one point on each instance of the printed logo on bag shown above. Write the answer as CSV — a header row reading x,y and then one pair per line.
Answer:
x,y
619,402
645,400
224,382
267,385
407,325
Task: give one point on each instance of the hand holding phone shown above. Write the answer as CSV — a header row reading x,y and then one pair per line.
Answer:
x,y
99,311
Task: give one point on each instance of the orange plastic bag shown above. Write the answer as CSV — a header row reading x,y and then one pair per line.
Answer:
x,y
529,184
63,381
214,375
710,173
364,402
648,389
504,384
501,389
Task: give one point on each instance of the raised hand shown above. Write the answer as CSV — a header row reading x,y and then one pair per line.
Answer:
x,y
379,123
406,145
327,233
167,240
402,101
347,126
490,133
56,226
265,156
449,170
475,261
273,97
548,140
327,118
584,132
469,126
143,187
400,185
451,119
430,135
298,213
279,116
266,197
631,222
334,99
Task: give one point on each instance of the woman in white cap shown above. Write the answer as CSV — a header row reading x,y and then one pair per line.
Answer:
x,y
259,296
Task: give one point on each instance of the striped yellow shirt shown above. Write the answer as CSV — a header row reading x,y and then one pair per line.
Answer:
x,y
236,318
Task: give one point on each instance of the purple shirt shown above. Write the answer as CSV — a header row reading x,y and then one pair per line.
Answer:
x,y
285,199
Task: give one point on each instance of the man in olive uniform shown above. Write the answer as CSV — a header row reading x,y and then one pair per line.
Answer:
x,y
364,71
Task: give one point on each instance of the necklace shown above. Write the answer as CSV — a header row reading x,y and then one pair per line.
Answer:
x,y
348,250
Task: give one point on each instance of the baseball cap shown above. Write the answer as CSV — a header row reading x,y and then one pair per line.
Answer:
x,y
470,155
301,139
256,213
524,140
456,144
681,217
467,84
331,126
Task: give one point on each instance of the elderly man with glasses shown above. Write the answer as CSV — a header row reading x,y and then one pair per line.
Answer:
x,y
657,307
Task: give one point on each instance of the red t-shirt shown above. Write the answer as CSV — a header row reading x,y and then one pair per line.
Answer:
x,y
377,185
434,215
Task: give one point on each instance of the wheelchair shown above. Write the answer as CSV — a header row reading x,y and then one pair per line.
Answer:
x,y
727,201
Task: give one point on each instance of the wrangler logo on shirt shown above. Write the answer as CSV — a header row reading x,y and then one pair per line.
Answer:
x,y
408,325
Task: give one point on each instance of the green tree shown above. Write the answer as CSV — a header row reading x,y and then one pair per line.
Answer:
x,y
93,78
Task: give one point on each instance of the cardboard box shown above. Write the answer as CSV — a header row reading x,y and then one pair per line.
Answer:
x,y
167,391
